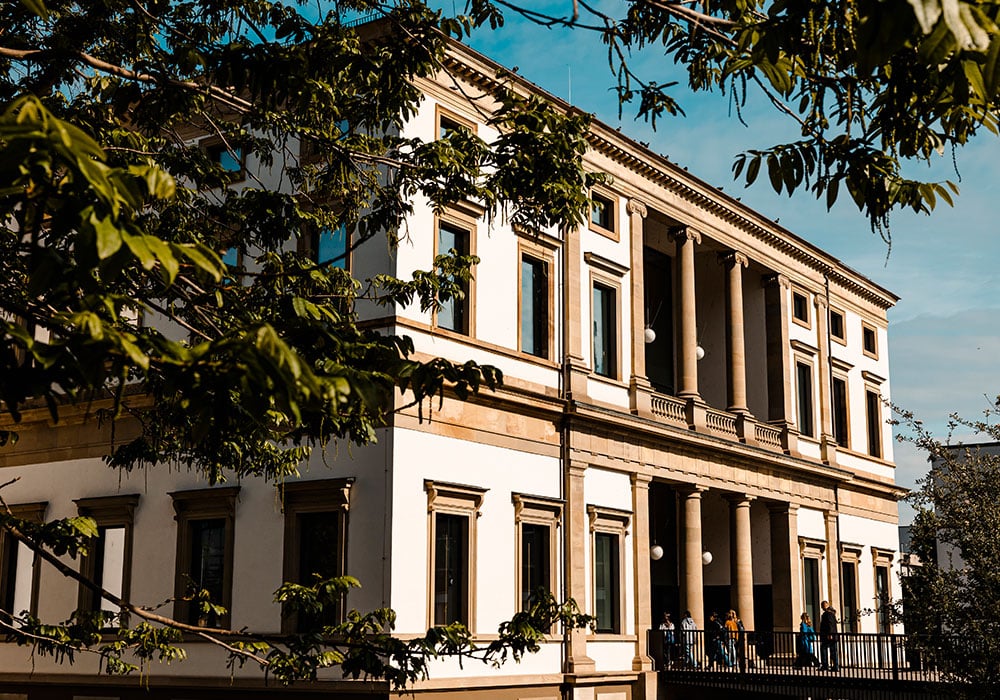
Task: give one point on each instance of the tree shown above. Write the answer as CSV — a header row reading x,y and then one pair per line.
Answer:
x,y
868,84
952,594
135,280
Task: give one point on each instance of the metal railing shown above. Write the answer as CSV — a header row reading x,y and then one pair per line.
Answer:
x,y
866,656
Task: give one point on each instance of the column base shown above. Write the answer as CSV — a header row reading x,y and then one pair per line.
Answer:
x,y
640,396
828,450
695,412
746,428
577,661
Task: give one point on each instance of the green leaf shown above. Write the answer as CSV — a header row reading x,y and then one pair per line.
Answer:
x,y
109,236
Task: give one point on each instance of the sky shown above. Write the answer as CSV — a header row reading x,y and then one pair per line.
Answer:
x,y
943,333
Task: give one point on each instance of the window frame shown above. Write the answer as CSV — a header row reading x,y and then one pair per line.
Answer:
x,y
108,512
210,144
799,292
840,377
842,339
547,261
850,554
455,220
535,510
812,550
614,522
308,246
865,329
882,559
444,114
200,505
445,498
874,423
307,498
35,513
801,361
615,338
609,198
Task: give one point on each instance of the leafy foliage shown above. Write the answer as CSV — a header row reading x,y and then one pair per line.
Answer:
x,y
868,84
164,167
952,594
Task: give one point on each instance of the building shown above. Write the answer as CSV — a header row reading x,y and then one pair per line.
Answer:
x,y
682,373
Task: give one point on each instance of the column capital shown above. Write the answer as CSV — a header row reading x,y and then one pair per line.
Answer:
x,y
776,280
819,301
731,258
636,206
831,515
641,481
738,498
684,233
780,508
691,490
576,468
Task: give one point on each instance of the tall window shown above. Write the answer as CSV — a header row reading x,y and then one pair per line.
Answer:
x,y
315,543
810,579
453,511
849,595
108,561
604,310
803,376
873,418
329,246
609,528
19,567
883,591
534,306
205,537
454,312
536,520
841,424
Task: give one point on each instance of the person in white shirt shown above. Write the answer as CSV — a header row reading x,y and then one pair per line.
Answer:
x,y
688,630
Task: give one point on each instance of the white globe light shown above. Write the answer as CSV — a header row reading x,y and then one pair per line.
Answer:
x,y
699,352
656,552
650,335
706,558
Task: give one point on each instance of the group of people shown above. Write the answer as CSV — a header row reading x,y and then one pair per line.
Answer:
x,y
806,638
725,641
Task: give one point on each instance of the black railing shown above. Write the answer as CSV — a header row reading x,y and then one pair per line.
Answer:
x,y
874,656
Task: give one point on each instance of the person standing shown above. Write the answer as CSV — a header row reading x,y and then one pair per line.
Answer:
x,y
669,639
804,643
828,638
732,635
688,631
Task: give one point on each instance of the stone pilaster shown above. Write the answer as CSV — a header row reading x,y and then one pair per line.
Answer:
x,y
640,389
736,364
642,586
741,557
577,528
786,577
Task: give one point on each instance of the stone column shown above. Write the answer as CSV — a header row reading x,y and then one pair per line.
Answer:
x,y
640,389
694,586
828,444
685,239
642,585
741,558
779,362
734,263
833,561
786,577
577,529
573,319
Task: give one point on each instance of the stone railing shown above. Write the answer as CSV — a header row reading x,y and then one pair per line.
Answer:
x,y
721,422
669,407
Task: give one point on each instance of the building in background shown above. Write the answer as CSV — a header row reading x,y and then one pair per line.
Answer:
x,y
692,419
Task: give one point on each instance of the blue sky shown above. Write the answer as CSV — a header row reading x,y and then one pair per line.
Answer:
x,y
943,338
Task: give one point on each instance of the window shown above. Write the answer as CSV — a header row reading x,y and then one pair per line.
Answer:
x,y
608,528
535,520
447,122
838,330
230,158
604,310
19,567
328,246
800,308
205,531
873,418
841,422
803,375
812,556
534,306
108,561
603,215
452,510
453,314
869,340
849,612
315,543
883,591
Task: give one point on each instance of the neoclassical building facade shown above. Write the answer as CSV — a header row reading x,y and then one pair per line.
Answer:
x,y
692,418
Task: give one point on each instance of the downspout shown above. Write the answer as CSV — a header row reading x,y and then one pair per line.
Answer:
x,y
564,442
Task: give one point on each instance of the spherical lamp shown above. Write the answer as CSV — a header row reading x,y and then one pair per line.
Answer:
x,y
706,557
656,552
699,352
649,335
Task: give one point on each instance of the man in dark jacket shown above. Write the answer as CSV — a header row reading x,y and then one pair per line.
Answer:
x,y
828,638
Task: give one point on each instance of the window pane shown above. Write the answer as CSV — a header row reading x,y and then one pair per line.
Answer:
x,y
453,312
606,581
874,419
805,395
208,563
111,564
330,246
534,307
534,560
605,360
882,596
451,552
9,563
840,426
849,589
24,573
319,556
810,576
